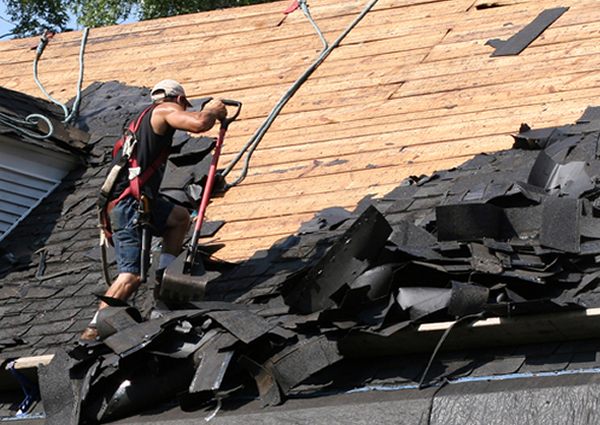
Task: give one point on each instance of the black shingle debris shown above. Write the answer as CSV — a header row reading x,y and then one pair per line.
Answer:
x,y
328,219
353,254
60,390
518,42
493,237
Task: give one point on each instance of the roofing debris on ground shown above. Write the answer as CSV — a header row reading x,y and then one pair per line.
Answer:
x,y
511,233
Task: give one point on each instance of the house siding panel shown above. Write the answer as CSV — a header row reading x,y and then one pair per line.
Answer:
x,y
20,193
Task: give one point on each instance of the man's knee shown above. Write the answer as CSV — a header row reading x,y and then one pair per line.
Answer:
x,y
179,217
133,281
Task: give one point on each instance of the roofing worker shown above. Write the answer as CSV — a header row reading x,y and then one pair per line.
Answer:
x,y
154,139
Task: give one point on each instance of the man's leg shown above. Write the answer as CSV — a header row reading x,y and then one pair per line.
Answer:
x,y
175,228
126,236
123,287
178,224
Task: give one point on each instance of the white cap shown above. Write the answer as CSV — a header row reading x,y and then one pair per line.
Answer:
x,y
168,88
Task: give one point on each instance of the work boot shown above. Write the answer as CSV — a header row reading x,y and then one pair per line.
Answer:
x,y
90,334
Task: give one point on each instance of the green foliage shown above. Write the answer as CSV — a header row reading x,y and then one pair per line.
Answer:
x,y
101,13
32,17
154,9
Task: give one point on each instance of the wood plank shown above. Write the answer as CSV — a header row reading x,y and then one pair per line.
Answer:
x,y
218,53
332,145
217,18
63,75
228,31
74,51
287,197
265,169
30,362
469,38
554,55
570,80
219,36
292,128
232,79
301,104
542,113
491,332
364,120
483,29
271,99
525,70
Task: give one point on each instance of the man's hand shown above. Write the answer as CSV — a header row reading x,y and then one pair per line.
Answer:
x,y
217,108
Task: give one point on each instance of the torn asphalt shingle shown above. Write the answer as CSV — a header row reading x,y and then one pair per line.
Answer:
x,y
518,42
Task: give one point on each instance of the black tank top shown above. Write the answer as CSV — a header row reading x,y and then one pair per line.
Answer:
x,y
149,147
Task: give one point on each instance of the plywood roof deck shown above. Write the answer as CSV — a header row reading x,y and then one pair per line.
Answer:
x,y
412,89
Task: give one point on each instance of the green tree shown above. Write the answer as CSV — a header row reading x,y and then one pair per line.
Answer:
x,y
33,17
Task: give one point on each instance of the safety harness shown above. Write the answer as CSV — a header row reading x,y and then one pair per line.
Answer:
x,y
127,146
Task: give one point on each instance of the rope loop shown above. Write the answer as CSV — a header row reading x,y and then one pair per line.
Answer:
x,y
30,121
68,115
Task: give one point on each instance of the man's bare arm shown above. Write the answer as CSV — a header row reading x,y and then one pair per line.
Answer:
x,y
174,115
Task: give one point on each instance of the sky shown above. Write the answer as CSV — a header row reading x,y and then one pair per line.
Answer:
x,y
4,26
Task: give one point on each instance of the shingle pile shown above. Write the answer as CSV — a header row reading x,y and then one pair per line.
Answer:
x,y
516,232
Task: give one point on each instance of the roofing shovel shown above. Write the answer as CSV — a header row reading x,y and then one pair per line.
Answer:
x,y
185,278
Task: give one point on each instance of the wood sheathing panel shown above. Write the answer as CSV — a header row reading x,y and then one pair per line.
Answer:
x,y
412,89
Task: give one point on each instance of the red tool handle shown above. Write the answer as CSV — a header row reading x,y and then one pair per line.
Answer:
x,y
209,182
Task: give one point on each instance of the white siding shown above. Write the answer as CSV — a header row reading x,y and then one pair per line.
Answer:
x,y
27,175
19,195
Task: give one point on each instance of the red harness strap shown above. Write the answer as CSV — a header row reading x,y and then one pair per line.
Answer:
x,y
136,183
133,128
140,180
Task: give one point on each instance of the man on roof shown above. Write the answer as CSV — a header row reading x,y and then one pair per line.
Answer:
x,y
154,136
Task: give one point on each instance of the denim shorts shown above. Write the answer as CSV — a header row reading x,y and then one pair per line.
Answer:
x,y
127,236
